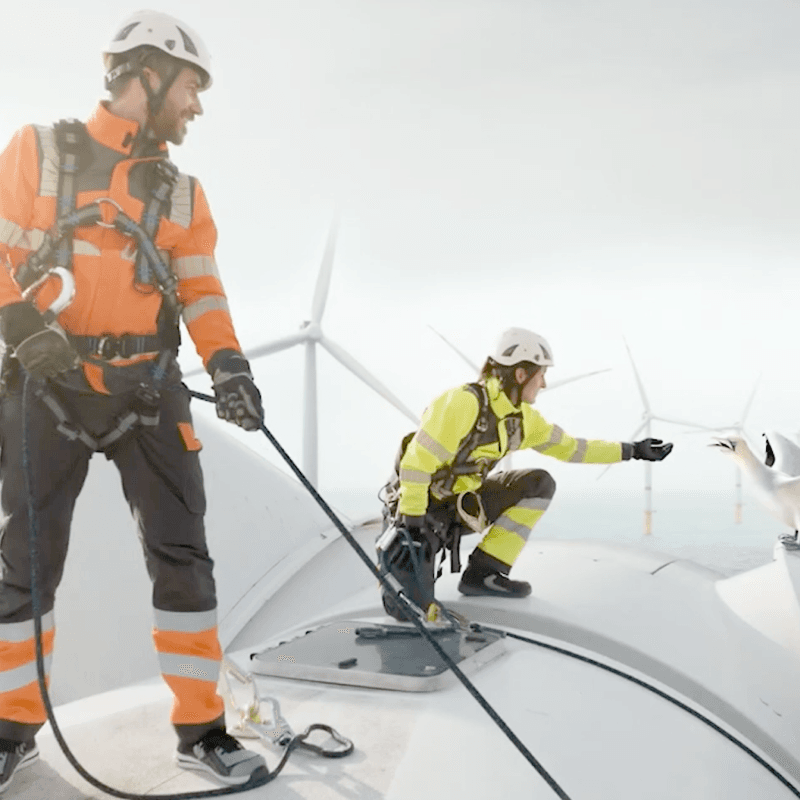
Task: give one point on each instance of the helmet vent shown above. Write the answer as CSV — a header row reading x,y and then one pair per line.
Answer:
x,y
510,350
125,32
187,43
169,44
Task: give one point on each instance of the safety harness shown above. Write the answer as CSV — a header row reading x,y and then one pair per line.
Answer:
x,y
443,480
55,257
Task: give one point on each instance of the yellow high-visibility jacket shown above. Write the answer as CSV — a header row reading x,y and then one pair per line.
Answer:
x,y
451,418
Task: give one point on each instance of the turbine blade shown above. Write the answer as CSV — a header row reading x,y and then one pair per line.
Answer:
x,y
324,276
641,427
638,379
456,350
703,429
604,471
277,345
750,401
346,360
697,426
631,438
262,350
563,381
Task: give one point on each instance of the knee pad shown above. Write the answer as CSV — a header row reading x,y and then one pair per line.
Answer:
x,y
537,483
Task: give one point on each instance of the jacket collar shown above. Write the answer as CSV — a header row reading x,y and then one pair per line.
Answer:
x,y
118,133
499,401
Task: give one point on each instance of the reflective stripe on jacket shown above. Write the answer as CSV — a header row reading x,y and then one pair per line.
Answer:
x,y
451,417
106,301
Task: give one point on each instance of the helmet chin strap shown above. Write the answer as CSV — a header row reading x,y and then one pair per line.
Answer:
x,y
519,388
155,100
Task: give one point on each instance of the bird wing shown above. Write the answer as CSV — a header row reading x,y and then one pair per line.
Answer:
x,y
786,453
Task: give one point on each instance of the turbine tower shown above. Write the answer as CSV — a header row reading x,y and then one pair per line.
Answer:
x,y
737,428
645,426
310,335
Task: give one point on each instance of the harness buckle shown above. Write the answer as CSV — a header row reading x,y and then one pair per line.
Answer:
x,y
103,350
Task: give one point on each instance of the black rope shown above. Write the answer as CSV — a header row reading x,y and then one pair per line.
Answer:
x,y
655,690
33,551
413,617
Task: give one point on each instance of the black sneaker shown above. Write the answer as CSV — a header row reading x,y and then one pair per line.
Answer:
x,y
495,584
14,756
222,757
487,575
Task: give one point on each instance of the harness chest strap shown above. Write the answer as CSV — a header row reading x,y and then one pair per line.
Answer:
x,y
57,249
70,139
443,480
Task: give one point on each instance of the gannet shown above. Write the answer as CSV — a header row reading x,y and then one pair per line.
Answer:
x,y
777,490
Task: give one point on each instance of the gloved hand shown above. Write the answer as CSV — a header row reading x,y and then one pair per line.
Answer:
x,y
651,450
43,352
238,399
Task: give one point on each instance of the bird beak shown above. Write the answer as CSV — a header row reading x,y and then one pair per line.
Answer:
x,y
725,443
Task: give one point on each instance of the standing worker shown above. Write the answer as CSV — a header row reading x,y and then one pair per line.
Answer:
x,y
97,208
441,483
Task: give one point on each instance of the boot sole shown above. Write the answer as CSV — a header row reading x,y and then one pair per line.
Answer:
x,y
477,591
190,762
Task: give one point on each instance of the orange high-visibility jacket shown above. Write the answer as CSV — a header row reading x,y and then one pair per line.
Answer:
x,y
106,300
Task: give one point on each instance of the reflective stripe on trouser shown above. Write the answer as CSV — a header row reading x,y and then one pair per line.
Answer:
x,y
514,502
20,699
190,655
163,484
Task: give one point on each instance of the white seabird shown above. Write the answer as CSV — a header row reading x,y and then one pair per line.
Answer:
x,y
776,481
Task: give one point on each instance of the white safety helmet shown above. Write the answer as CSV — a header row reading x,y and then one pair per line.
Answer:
x,y
517,344
164,32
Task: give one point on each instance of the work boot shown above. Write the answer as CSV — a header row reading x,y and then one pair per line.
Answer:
x,y
220,755
15,756
400,563
486,575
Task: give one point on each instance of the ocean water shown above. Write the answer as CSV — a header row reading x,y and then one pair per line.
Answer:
x,y
697,526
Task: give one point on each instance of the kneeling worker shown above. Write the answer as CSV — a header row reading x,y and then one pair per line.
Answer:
x,y
441,479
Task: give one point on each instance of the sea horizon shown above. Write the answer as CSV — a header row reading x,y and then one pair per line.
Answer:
x,y
699,526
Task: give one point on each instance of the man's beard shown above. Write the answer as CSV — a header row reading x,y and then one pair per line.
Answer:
x,y
168,126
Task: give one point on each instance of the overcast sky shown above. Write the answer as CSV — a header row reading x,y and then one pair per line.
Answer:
x,y
590,170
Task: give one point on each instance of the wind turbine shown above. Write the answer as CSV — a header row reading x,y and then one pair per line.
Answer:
x,y
645,426
310,335
737,429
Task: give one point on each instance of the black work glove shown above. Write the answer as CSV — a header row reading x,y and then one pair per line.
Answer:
x,y
43,352
651,450
238,399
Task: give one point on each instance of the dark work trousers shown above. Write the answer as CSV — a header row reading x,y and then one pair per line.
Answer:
x,y
163,484
514,501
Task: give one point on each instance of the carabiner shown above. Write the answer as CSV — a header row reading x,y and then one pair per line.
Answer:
x,y
65,296
99,202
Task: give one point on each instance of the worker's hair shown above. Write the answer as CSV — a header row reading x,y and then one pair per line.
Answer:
x,y
507,376
146,56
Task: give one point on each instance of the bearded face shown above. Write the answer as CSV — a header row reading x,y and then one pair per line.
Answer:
x,y
181,105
